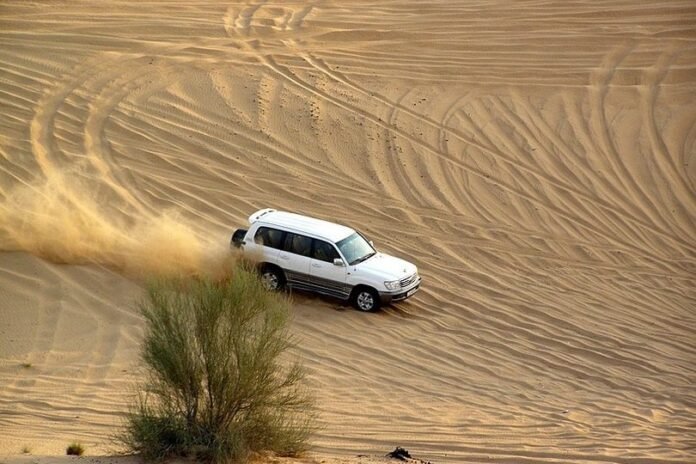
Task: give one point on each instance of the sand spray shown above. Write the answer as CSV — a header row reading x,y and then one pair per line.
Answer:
x,y
60,221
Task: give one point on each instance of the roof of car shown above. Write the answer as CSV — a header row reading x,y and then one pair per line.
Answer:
x,y
317,227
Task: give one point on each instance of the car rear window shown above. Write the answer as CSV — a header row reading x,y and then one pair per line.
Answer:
x,y
269,237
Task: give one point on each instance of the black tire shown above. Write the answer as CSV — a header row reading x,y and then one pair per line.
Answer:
x,y
366,299
272,278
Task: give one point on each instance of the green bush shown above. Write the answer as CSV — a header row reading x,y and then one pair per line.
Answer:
x,y
74,449
215,385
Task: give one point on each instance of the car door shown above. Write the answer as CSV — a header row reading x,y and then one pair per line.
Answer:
x,y
265,245
325,275
295,259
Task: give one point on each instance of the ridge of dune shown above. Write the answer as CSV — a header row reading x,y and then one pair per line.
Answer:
x,y
537,163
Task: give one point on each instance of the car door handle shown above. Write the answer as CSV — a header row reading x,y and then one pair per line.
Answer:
x,y
316,265
284,257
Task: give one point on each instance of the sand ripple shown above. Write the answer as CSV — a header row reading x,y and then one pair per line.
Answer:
x,y
537,163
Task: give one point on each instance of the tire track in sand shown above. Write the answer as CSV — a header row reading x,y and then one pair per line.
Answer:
x,y
559,211
613,59
50,159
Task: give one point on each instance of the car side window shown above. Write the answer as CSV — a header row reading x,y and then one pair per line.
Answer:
x,y
298,244
324,251
269,237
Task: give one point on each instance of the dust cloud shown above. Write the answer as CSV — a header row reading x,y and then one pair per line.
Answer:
x,y
61,222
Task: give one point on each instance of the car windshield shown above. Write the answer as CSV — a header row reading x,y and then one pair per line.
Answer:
x,y
355,248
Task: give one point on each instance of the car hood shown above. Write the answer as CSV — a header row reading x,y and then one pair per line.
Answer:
x,y
390,267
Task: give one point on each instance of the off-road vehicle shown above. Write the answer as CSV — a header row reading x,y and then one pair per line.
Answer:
x,y
305,253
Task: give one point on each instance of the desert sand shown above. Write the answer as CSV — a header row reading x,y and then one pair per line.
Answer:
x,y
535,159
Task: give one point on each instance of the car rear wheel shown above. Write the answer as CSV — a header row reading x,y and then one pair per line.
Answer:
x,y
366,299
272,279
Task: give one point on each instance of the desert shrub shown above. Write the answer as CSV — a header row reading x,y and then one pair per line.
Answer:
x,y
74,449
215,385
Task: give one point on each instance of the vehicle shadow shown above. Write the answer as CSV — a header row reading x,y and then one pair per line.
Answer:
x,y
310,299
307,298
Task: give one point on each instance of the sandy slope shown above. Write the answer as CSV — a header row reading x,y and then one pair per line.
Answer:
x,y
538,164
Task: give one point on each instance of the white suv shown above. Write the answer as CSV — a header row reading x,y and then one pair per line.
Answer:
x,y
310,254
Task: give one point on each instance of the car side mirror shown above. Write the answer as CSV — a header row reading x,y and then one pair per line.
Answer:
x,y
372,244
338,262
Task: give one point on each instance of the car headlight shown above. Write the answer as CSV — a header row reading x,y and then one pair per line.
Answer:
x,y
392,285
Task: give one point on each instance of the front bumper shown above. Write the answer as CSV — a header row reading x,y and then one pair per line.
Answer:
x,y
402,294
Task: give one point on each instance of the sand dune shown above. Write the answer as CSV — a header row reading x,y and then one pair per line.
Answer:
x,y
537,162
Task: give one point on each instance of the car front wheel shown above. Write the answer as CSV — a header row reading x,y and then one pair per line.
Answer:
x,y
366,299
